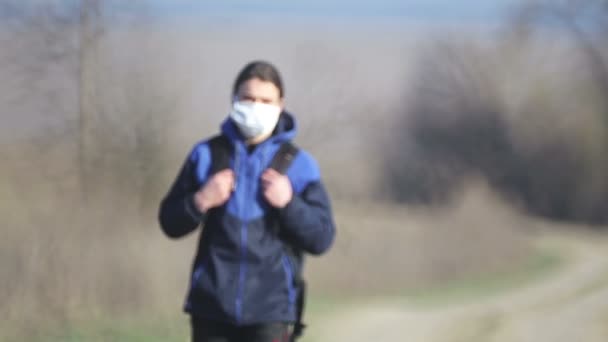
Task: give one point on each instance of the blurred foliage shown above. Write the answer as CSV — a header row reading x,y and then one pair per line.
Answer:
x,y
537,132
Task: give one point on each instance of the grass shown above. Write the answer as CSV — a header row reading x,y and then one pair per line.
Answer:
x,y
140,328
175,329
133,329
125,329
542,263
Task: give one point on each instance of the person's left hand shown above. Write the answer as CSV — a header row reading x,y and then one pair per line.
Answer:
x,y
277,188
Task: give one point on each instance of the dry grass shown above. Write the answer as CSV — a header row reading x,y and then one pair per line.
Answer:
x,y
384,248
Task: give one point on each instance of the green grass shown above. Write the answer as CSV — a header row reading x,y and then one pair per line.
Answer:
x,y
139,329
542,263
133,329
130,334
113,329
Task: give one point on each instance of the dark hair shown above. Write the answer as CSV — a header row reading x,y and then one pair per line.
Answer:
x,y
261,70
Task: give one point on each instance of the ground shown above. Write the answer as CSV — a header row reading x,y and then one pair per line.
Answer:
x,y
571,304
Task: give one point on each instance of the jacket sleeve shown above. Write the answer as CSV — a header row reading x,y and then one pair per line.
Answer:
x,y
178,215
307,219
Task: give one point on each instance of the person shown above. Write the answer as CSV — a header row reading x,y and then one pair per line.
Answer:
x,y
244,284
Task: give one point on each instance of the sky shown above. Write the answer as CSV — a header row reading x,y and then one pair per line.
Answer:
x,y
427,11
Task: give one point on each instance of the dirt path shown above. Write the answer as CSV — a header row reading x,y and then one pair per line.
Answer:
x,y
571,305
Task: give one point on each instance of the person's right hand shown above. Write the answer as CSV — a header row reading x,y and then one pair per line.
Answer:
x,y
216,191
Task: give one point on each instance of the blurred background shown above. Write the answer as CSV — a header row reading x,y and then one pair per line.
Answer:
x,y
463,144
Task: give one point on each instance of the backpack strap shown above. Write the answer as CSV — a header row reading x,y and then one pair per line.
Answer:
x,y
281,162
222,150
221,153
299,326
284,157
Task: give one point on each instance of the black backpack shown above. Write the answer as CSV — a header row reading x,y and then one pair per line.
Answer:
x,y
221,153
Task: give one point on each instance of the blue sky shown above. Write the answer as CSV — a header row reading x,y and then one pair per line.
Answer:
x,y
431,11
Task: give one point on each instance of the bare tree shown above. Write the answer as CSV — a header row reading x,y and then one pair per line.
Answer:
x,y
55,32
586,23
90,31
461,121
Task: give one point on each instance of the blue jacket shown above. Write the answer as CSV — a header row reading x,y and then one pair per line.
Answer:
x,y
249,254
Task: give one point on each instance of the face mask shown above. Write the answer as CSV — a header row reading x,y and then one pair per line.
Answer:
x,y
255,119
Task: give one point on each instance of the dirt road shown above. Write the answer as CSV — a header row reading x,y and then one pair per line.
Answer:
x,y
569,305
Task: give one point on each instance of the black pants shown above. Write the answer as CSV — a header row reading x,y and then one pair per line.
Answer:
x,y
209,331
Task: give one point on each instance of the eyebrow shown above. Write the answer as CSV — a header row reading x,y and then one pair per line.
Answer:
x,y
250,96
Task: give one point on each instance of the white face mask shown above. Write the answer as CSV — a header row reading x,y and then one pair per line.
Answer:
x,y
255,119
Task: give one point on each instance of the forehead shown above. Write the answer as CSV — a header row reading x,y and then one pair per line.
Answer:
x,y
255,87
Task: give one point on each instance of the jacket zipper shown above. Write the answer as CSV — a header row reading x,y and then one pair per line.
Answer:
x,y
242,264
196,276
289,277
242,271
248,183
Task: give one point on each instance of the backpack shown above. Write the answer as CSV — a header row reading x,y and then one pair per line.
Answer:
x,y
221,153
